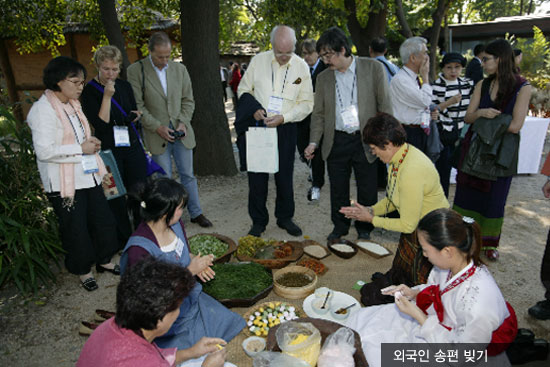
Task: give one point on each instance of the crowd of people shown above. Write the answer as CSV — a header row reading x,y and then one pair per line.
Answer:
x,y
349,113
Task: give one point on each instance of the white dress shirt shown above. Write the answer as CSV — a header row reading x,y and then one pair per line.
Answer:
x,y
409,100
265,77
161,73
345,94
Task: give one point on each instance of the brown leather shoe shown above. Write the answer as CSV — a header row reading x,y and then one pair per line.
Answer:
x,y
202,221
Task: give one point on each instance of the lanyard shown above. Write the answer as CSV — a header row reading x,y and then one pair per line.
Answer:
x,y
352,90
74,130
273,82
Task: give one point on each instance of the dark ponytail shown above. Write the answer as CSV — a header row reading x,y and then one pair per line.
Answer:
x,y
446,228
156,198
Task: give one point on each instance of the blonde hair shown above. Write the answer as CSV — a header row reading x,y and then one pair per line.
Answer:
x,y
108,53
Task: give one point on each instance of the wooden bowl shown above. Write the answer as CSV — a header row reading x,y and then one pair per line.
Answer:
x,y
230,250
371,253
297,252
326,328
343,255
294,292
307,243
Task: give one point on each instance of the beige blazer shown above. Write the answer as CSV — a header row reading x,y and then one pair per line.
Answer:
x,y
160,109
372,97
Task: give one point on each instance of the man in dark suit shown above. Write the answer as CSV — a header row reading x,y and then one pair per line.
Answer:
x,y
349,92
316,66
474,70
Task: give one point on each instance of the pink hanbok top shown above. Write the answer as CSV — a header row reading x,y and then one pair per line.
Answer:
x,y
111,345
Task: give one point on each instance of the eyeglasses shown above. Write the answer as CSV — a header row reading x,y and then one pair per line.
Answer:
x,y
77,83
280,54
485,58
327,55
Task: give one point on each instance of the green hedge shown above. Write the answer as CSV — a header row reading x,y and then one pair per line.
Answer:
x,y
29,241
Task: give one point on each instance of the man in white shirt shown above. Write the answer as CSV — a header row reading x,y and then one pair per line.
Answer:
x,y
164,94
281,83
412,97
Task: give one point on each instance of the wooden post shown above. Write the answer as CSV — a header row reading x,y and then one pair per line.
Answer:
x,y
10,81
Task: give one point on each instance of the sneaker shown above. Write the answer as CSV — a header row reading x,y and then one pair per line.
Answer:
x,y
363,235
314,194
541,310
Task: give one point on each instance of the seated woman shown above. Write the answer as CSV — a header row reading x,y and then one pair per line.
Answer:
x,y
413,190
148,302
461,303
161,235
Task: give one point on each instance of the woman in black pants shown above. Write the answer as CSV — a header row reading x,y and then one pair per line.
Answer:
x,y
109,104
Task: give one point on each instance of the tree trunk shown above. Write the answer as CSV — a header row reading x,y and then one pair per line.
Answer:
x,y
10,81
199,41
405,29
112,29
437,16
376,25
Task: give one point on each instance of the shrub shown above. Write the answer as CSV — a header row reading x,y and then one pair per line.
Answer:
x,y
29,241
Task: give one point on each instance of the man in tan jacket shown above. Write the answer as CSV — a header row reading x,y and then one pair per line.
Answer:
x,y
164,95
348,93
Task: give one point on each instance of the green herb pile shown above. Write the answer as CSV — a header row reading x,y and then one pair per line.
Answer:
x,y
238,281
206,244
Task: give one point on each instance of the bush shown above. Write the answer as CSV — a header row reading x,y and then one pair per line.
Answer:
x,y
29,238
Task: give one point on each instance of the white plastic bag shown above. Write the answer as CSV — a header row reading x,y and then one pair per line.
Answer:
x,y
277,359
338,349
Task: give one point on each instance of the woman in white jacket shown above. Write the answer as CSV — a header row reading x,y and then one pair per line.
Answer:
x,y
71,172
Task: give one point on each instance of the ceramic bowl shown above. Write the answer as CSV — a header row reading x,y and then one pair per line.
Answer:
x,y
258,340
317,303
339,316
321,292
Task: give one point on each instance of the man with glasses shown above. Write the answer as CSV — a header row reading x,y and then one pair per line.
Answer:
x,y
347,96
164,94
280,82
412,97
317,165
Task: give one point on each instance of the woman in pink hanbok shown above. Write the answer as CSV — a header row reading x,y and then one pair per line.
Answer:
x,y
461,303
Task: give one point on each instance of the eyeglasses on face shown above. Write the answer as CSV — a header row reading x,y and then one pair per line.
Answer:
x,y
77,83
327,55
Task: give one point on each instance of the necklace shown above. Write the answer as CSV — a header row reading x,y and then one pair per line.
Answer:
x,y
393,170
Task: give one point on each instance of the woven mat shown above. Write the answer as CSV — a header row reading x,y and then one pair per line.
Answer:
x,y
341,276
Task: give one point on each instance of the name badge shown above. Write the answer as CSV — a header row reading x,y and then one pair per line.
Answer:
x,y
350,117
275,106
425,119
89,163
122,137
179,247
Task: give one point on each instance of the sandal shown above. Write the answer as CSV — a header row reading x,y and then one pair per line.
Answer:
x,y
102,315
89,284
87,328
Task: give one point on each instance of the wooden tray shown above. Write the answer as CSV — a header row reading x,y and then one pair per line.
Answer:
x,y
294,292
230,250
373,254
314,259
343,255
247,302
326,328
298,310
314,243
297,252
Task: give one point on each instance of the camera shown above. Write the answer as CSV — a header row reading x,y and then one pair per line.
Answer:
x,y
177,134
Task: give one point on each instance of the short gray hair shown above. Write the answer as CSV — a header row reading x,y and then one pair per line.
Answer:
x,y
276,28
157,39
410,47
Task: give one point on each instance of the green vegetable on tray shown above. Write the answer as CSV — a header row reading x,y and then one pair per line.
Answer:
x,y
248,245
206,244
237,281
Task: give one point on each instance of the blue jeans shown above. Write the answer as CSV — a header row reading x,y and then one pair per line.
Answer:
x,y
184,163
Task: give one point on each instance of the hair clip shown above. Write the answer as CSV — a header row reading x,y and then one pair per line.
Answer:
x,y
468,220
142,204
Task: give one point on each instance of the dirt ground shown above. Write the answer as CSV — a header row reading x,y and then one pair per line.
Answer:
x,y
43,330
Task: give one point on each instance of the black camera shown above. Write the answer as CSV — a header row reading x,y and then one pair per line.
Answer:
x,y
177,134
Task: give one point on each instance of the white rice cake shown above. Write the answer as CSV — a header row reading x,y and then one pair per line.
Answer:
x,y
373,247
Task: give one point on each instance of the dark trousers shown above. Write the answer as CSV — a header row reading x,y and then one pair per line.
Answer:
x,y
88,229
417,137
545,268
257,182
132,165
317,163
224,87
444,166
347,153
